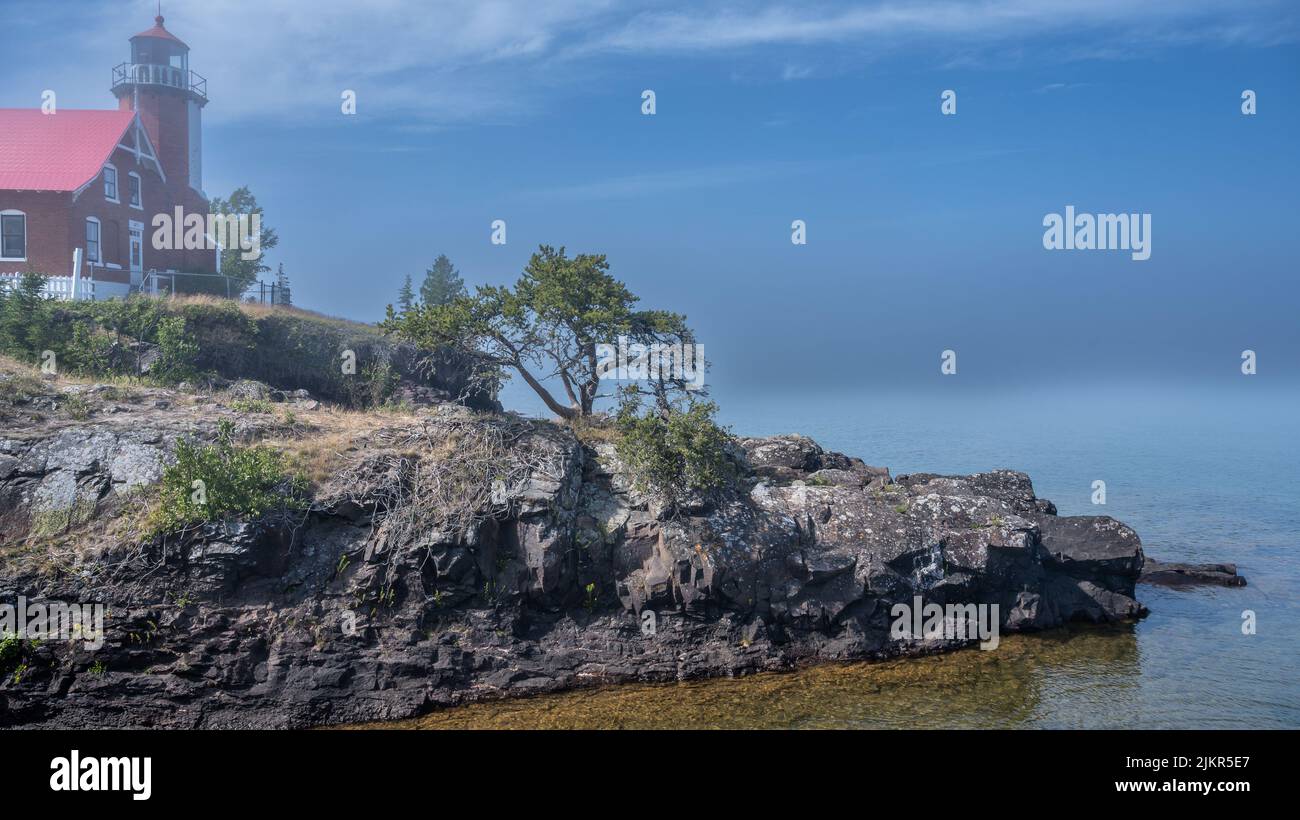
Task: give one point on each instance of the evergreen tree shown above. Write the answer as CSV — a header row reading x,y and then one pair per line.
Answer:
x,y
406,296
282,285
25,317
442,283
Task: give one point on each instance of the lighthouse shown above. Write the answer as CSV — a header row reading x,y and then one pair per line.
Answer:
x,y
81,191
158,85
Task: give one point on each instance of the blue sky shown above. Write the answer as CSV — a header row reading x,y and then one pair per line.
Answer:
x,y
924,231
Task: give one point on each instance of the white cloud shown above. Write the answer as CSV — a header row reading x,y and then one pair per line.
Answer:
x,y
455,61
702,27
452,59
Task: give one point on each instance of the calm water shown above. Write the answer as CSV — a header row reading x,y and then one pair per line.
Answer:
x,y
1202,476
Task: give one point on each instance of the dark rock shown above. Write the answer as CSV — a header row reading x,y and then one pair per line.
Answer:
x,y
1094,548
1160,573
323,620
251,390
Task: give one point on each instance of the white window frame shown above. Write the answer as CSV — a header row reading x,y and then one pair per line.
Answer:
x,y
23,258
98,258
139,184
117,189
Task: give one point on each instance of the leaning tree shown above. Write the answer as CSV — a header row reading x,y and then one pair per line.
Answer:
x,y
547,329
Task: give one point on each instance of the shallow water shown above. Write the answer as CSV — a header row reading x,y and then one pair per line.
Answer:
x,y
1200,476
1017,685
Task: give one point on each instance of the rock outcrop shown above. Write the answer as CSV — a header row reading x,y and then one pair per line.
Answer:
x,y
1160,573
543,570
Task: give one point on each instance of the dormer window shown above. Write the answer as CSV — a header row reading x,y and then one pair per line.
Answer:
x,y
110,183
134,190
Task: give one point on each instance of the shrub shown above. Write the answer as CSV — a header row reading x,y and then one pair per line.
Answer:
x,y
221,479
177,352
77,407
15,652
88,350
251,405
198,338
25,318
374,385
675,452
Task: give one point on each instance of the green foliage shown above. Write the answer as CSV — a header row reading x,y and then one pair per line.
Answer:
x,y
374,386
251,405
243,272
15,652
198,339
26,318
285,294
406,296
560,309
677,452
442,283
177,352
99,338
221,479
11,648
76,406
89,349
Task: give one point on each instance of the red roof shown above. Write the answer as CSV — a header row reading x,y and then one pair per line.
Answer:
x,y
160,32
56,152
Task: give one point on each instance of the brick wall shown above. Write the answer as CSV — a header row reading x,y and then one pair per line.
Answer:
x,y
49,248
56,224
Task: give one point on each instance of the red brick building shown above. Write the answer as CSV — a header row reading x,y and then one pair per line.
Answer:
x,y
94,180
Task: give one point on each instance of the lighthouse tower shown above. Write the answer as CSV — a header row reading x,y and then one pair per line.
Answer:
x,y
169,97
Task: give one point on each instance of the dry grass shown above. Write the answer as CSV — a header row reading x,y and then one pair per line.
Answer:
x,y
320,442
437,482
259,310
425,469
11,367
21,381
592,430
70,393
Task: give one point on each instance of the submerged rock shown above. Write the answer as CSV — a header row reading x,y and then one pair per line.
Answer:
x,y
1160,573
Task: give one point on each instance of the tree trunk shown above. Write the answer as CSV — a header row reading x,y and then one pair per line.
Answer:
x,y
555,407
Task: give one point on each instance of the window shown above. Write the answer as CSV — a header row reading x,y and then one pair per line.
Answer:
x,y
110,183
92,240
137,199
13,235
110,243
136,230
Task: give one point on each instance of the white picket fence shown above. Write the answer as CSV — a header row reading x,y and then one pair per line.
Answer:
x,y
58,287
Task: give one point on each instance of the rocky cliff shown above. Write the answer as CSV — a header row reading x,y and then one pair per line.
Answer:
x,y
451,555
